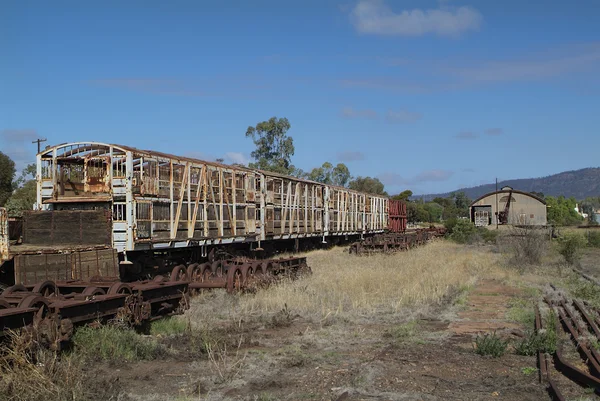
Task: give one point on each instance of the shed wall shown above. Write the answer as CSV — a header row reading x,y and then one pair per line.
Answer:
x,y
524,210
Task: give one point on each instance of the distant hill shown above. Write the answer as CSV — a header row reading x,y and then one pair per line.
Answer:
x,y
577,183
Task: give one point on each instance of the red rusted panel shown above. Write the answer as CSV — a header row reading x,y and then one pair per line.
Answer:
x,y
396,216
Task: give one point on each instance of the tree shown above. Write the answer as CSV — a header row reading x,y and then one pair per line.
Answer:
x,y
403,196
23,199
25,196
7,175
274,148
367,184
416,213
328,174
561,211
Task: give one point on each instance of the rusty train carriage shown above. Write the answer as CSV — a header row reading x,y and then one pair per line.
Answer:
x,y
160,201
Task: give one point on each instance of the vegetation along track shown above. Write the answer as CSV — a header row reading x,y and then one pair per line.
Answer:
x,y
54,308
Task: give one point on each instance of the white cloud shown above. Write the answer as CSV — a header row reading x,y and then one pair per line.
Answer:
x,y
402,116
351,156
375,17
236,158
349,112
467,135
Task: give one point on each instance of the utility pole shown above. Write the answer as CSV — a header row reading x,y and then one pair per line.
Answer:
x,y
39,141
497,214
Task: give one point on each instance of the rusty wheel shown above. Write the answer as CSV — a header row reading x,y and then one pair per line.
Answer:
x,y
93,291
179,273
35,301
235,279
4,304
194,272
217,269
46,288
207,272
14,288
259,268
247,274
120,288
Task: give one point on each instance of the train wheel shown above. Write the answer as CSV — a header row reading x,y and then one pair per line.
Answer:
x,y
93,291
35,301
247,274
194,272
179,273
14,288
260,269
235,279
159,279
218,270
46,288
207,272
4,304
120,288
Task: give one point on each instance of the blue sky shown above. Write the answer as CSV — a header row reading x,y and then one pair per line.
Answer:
x,y
426,95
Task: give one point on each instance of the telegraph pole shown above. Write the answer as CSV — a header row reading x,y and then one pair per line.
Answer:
x,y
39,141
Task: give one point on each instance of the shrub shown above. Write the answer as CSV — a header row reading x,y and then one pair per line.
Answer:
x,y
113,344
544,341
594,239
463,232
527,245
490,344
449,224
570,246
488,236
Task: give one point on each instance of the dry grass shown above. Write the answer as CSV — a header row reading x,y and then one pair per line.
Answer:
x,y
348,286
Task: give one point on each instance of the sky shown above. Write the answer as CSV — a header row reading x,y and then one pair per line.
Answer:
x,y
425,95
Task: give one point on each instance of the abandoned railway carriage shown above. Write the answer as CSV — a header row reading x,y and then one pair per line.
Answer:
x,y
123,208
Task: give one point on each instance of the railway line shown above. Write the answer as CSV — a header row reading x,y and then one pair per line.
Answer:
x,y
581,324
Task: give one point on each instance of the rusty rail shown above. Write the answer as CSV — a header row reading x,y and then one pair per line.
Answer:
x,y
395,241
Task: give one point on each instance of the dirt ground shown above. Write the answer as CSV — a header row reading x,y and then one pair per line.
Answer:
x,y
427,358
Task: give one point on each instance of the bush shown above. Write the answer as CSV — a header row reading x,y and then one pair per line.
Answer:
x,y
463,232
594,239
527,245
488,236
490,344
449,225
570,246
115,345
544,341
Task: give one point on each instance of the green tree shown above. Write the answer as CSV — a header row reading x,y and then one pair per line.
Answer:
x,y
328,174
22,199
403,196
7,175
274,148
367,184
416,213
561,211
25,196
434,210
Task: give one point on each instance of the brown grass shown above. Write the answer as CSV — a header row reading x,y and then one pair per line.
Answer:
x,y
348,286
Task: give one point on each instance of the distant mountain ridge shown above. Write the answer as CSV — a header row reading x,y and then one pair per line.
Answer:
x,y
577,183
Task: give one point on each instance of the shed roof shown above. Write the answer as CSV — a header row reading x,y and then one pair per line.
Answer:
x,y
506,191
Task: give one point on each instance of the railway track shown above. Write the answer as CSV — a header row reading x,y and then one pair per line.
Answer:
x,y
581,323
59,306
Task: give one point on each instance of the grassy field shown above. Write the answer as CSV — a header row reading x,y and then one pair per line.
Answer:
x,y
290,340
